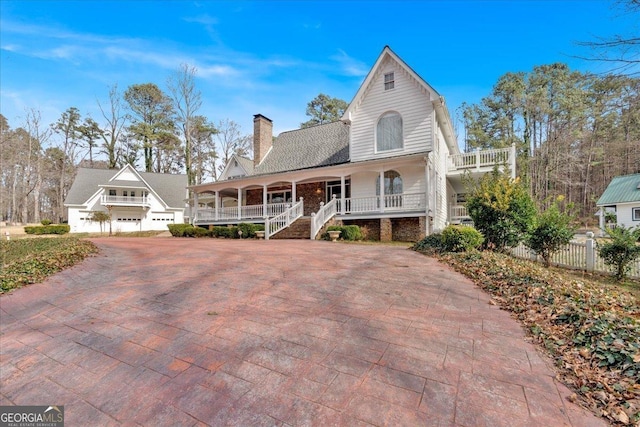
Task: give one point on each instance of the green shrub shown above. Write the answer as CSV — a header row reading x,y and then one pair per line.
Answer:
x,y
48,229
201,232
347,232
46,222
178,230
458,238
249,230
552,231
431,243
226,232
501,209
621,250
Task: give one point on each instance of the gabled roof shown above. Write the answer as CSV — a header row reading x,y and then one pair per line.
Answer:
x,y
386,53
621,189
170,188
244,163
442,113
312,147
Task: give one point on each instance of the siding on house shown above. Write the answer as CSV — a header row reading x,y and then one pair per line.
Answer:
x,y
624,214
408,98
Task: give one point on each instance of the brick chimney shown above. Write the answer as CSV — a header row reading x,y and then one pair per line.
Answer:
x,y
262,137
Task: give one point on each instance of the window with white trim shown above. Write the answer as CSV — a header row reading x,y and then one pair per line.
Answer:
x,y
635,214
389,81
389,132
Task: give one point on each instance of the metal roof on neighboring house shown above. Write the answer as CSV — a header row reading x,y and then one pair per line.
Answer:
x,y
170,188
312,147
621,189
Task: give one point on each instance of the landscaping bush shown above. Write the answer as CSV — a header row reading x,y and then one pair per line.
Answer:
x,y
46,222
501,209
430,244
178,230
48,229
457,238
551,231
347,232
249,230
226,232
621,250
201,232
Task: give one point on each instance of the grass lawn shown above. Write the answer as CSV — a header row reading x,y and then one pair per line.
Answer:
x,y
588,324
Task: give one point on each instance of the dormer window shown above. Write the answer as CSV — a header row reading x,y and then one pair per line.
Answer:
x,y
389,81
389,132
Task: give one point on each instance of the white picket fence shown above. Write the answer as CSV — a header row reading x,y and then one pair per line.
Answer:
x,y
578,256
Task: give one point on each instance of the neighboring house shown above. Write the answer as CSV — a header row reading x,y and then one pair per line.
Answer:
x,y
621,196
137,201
391,164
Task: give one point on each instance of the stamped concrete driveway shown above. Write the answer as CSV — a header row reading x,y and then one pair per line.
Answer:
x,y
181,332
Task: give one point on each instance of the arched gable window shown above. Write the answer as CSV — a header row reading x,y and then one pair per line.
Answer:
x,y
389,132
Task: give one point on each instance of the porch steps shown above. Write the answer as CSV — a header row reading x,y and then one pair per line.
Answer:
x,y
300,229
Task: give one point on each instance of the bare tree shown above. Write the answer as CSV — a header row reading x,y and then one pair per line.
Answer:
x,y
231,141
187,100
622,50
115,123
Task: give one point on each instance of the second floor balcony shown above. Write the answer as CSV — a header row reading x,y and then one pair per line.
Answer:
x,y
483,160
141,201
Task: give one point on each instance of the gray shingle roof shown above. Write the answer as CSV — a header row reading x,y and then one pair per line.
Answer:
x,y
170,188
247,164
621,189
316,146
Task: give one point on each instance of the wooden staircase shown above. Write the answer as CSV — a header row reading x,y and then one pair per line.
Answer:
x,y
300,229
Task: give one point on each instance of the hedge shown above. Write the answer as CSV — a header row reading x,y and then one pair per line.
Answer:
x,y
47,229
347,232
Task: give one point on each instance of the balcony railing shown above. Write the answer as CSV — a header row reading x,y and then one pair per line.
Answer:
x,y
483,159
244,213
124,201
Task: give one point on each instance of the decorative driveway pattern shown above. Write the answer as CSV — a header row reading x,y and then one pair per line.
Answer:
x,y
182,332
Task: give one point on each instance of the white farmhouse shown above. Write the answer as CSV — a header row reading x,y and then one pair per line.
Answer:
x,y
137,201
391,164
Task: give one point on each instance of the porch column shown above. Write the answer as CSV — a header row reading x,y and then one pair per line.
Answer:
x,y
216,205
293,193
343,190
513,161
239,204
427,209
194,214
264,201
381,191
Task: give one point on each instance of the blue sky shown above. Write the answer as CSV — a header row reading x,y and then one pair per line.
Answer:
x,y
272,57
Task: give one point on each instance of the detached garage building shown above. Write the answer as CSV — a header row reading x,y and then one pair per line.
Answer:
x,y
137,201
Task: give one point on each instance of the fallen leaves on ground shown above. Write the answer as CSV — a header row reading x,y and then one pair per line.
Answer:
x,y
591,330
26,261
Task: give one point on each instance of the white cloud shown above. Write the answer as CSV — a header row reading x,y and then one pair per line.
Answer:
x,y
350,66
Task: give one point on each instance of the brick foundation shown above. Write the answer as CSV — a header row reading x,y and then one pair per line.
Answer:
x,y
370,227
407,229
386,230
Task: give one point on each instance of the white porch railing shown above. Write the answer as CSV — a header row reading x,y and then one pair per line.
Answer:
x,y
481,158
392,203
324,214
125,201
246,212
282,221
457,212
